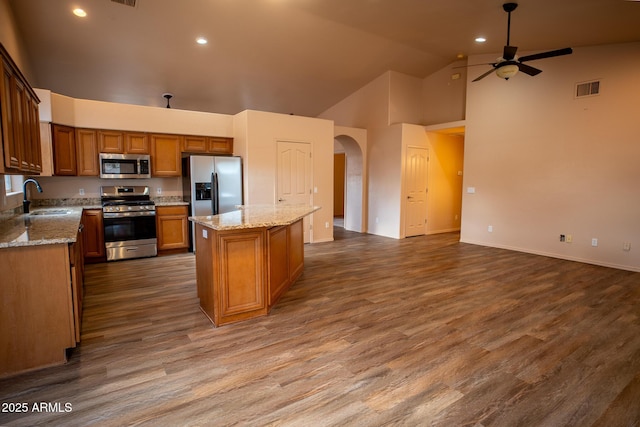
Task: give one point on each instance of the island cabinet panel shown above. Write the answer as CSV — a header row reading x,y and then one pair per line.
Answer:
x,y
285,259
231,274
296,250
37,322
278,263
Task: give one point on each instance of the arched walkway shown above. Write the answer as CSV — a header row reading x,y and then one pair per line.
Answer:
x,y
354,142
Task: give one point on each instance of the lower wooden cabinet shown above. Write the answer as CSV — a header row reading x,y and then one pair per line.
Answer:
x,y
38,299
93,236
172,227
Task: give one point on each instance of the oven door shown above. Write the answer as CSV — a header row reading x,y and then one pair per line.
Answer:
x,y
130,236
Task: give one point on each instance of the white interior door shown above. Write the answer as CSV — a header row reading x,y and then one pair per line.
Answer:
x,y
415,180
294,178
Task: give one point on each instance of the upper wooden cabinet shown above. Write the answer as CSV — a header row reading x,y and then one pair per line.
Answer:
x,y
207,144
166,153
87,152
19,121
64,150
136,143
111,141
123,142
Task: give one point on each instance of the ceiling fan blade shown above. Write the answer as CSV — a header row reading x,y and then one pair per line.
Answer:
x,y
484,75
527,69
509,53
550,54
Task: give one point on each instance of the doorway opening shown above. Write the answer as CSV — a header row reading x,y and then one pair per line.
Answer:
x,y
350,176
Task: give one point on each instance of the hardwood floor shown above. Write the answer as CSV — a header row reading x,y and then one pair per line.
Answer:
x,y
377,331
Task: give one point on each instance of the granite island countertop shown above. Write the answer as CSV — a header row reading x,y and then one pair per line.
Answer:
x,y
36,229
255,216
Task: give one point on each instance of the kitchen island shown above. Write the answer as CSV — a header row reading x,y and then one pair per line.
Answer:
x,y
247,259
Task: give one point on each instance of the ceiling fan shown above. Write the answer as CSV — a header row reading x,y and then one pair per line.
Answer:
x,y
509,64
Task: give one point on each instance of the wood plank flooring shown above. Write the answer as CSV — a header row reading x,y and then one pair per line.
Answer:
x,y
377,331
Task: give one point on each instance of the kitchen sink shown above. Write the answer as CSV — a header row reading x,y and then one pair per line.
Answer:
x,y
51,212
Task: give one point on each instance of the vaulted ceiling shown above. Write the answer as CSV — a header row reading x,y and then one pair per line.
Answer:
x,y
286,56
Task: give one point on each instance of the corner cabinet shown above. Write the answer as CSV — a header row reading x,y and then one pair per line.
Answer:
x,y
19,121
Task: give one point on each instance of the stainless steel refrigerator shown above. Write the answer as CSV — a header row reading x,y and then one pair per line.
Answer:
x,y
211,185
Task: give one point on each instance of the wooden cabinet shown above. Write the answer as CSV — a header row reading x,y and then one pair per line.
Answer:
x,y
93,236
136,143
123,142
37,318
19,121
231,274
64,150
218,145
286,259
111,141
87,152
76,258
166,155
207,144
241,273
172,228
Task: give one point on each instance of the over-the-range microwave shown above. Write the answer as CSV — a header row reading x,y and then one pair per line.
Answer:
x,y
124,166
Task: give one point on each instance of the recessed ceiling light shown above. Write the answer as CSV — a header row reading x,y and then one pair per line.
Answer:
x,y
79,12
201,40
480,39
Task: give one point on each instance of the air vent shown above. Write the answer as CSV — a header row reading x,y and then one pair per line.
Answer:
x,y
591,88
131,3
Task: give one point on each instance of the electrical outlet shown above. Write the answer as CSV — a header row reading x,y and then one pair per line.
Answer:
x,y
81,191
562,237
594,242
569,239
626,246
159,190
490,229
326,224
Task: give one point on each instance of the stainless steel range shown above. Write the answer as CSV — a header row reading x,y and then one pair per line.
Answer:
x,y
129,217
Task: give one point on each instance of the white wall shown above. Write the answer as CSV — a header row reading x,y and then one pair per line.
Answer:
x,y
258,134
109,115
385,180
544,163
444,94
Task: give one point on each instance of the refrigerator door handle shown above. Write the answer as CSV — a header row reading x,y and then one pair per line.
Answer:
x,y
215,202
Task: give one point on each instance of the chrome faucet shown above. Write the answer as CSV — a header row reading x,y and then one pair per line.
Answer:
x,y
25,202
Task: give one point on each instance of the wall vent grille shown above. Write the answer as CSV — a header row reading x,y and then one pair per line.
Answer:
x,y
131,3
591,88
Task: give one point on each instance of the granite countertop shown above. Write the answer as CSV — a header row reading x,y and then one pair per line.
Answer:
x,y
256,216
32,229
171,203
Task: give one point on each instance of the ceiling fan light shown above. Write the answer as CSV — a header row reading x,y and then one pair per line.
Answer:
x,y
507,71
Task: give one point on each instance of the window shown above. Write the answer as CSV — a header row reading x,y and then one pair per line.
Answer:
x,y
12,183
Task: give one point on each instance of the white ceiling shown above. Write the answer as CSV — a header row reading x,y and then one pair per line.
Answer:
x,y
286,56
